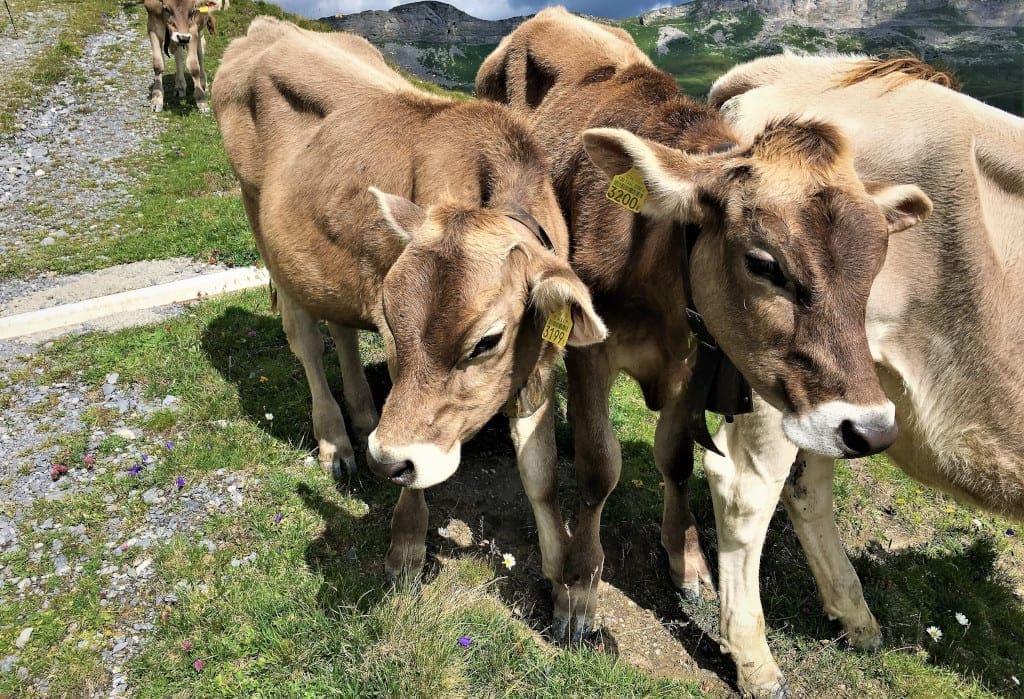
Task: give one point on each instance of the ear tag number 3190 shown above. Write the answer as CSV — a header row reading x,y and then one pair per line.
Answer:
x,y
628,190
558,327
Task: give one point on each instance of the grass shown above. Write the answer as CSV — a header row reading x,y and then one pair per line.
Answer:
x,y
307,614
184,200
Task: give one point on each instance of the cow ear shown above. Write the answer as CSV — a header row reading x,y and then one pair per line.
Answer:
x,y
401,215
669,175
904,205
558,287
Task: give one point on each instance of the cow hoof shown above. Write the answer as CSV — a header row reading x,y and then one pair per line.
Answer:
x,y
773,690
690,592
203,108
571,631
157,106
343,471
179,92
865,639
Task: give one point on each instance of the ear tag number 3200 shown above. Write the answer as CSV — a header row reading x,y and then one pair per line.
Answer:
x,y
558,327
628,190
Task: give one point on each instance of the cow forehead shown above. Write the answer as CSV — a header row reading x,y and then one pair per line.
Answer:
x,y
447,282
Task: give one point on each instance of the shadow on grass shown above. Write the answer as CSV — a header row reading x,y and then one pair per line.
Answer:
x,y
907,590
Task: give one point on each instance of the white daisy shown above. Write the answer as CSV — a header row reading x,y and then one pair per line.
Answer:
x,y
269,416
443,532
962,619
935,632
509,560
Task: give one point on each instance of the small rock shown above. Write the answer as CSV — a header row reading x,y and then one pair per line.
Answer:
x,y
126,433
8,663
23,638
48,241
112,378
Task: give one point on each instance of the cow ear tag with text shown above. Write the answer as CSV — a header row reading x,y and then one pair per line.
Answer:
x,y
628,190
558,327
204,9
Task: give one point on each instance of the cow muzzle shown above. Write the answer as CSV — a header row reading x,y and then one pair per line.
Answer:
x,y
181,39
412,465
842,430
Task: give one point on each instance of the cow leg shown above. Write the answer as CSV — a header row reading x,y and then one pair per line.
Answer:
x,y
156,91
745,486
357,391
195,67
408,536
201,54
536,454
808,499
598,465
328,424
179,72
673,454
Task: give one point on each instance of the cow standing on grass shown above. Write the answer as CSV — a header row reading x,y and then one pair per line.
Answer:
x,y
778,237
434,222
177,25
945,321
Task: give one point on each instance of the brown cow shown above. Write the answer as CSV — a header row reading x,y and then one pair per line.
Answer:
x,y
457,266
944,324
178,25
791,240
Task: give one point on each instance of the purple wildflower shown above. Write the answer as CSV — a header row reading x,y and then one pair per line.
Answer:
x,y
199,665
169,445
278,518
89,460
147,459
186,644
181,482
135,470
465,641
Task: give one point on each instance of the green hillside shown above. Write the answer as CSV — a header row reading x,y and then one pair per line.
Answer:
x,y
697,48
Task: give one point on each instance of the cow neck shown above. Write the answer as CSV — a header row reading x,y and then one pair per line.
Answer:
x,y
716,385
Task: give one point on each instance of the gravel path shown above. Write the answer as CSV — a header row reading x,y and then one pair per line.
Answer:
x,y
122,550
58,170
36,31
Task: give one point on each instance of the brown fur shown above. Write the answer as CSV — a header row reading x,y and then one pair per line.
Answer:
x,y
791,191
433,262
900,70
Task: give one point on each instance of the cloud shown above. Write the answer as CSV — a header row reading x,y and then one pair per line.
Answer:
x,y
485,9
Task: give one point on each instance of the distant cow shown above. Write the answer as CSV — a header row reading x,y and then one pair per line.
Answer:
x,y
434,222
944,323
177,25
779,237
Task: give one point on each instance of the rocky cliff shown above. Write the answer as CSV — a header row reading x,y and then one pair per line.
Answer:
x,y
857,14
435,22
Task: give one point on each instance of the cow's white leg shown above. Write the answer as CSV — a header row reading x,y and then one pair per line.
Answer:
x,y
598,466
536,454
808,499
673,454
328,424
179,72
408,536
195,67
745,487
201,50
357,391
156,90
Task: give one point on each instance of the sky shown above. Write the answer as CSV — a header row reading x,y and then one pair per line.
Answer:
x,y
485,9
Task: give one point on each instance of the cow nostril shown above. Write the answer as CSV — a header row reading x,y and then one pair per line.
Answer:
x,y
401,472
864,441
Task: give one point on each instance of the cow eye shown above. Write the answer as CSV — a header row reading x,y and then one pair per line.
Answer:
x,y
488,343
767,267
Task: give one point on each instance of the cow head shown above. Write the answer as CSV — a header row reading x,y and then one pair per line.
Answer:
x,y
462,312
791,242
184,18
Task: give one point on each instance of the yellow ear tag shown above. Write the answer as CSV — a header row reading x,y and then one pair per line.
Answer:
x,y
204,9
628,190
558,327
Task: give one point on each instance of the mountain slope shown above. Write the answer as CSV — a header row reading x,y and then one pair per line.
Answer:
x,y
981,41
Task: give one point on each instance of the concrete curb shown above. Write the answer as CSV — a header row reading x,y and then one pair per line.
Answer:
x,y
135,300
